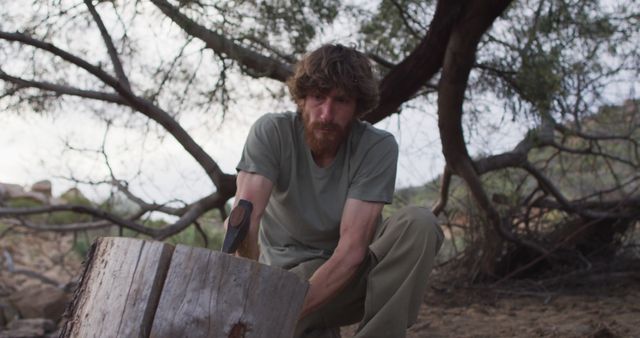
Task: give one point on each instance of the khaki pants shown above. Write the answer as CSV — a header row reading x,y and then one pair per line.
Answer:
x,y
386,294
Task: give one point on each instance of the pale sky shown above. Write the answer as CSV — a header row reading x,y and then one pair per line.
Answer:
x,y
32,147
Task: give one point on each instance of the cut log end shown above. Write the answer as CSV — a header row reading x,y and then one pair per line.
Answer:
x,y
136,288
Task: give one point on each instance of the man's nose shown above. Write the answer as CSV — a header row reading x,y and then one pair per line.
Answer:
x,y
327,111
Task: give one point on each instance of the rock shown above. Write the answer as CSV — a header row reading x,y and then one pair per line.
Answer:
x,y
15,192
74,196
43,324
44,301
630,106
43,187
603,332
28,333
28,328
8,190
580,329
7,312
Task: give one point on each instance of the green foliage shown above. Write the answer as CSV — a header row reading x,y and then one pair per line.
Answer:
x,y
189,236
210,224
550,55
551,59
63,217
296,20
81,243
542,58
589,166
287,25
75,197
192,237
586,169
23,202
538,78
609,172
396,28
425,195
118,204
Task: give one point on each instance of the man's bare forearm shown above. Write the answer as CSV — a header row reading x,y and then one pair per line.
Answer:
x,y
255,189
357,227
330,279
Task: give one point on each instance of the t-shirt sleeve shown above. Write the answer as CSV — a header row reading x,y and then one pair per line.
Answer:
x,y
375,178
261,150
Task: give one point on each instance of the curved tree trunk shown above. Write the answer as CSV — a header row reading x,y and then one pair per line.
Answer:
x,y
458,61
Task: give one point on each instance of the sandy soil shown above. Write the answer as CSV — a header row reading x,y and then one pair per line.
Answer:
x,y
609,307
604,310
585,306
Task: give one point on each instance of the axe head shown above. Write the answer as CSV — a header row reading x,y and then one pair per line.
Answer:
x,y
237,226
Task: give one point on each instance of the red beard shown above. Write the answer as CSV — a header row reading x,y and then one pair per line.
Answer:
x,y
324,138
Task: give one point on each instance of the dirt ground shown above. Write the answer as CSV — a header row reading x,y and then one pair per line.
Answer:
x,y
605,305
608,307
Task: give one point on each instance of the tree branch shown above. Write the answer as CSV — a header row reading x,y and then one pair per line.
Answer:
x,y
549,187
622,208
202,234
458,61
588,151
422,64
405,19
63,90
111,49
225,183
259,64
49,47
380,60
80,209
549,252
143,204
262,43
193,212
444,191
511,159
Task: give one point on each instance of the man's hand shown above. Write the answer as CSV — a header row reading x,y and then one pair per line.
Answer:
x,y
357,227
255,189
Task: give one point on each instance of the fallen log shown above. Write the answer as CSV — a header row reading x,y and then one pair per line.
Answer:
x,y
137,288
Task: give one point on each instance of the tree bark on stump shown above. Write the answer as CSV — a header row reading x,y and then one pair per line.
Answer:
x,y
138,288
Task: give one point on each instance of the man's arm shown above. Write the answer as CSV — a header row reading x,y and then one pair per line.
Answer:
x,y
255,189
357,227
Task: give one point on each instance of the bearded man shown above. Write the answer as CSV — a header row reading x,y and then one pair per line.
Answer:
x,y
318,180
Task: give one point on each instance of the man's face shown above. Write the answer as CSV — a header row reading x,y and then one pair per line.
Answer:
x,y
327,119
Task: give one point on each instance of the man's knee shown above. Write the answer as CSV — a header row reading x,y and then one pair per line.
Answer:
x,y
421,224
410,229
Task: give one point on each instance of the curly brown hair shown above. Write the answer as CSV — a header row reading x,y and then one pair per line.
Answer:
x,y
335,66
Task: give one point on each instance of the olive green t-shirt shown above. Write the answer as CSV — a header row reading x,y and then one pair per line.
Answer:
x,y
302,219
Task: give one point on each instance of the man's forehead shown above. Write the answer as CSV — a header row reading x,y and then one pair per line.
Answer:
x,y
333,91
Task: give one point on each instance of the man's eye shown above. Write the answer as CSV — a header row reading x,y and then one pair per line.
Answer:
x,y
343,99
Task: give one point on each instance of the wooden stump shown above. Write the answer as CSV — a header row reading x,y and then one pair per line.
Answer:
x,y
137,288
